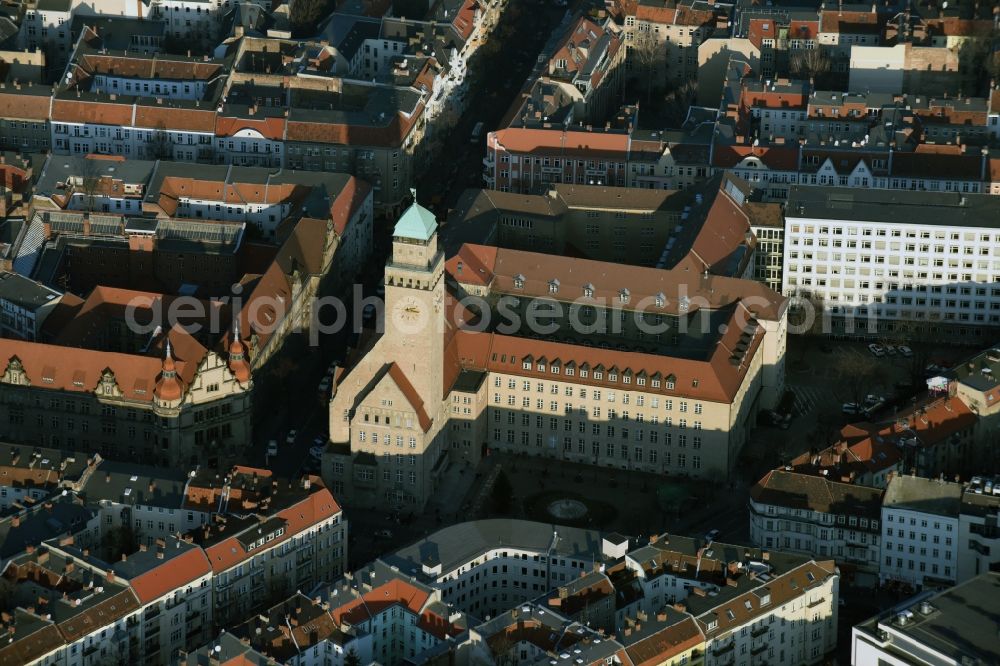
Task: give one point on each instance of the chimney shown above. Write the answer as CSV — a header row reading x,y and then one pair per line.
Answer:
x,y
124,557
111,576
15,521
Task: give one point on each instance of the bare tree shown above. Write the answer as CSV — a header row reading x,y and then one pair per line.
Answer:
x,y
809,64
678,102
306,14
647,54
862,374
159,147
90,181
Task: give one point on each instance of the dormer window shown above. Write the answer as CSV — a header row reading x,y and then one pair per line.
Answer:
x,y
526,365
612,376
518,281
554,286
588,290
624,295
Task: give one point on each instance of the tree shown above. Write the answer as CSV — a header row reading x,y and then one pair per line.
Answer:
x,y
809,64
160,147
90,181
647,52
678,102
862,371
502,493
118,541
306,14
352,658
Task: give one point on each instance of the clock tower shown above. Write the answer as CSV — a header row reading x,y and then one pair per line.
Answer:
x,y
414,302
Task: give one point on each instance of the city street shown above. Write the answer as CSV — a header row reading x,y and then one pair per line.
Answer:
x,y
498,76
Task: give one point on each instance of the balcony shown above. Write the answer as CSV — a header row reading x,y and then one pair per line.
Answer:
x,y
759,631
758,650
721,650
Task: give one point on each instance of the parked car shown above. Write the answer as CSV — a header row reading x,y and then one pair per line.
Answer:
x,y
712,535
324,385
850,408
904,351
368,312
292,434
317,451
890,350
876,350
272,448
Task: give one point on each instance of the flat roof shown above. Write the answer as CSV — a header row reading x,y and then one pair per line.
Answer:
x,y
459,544
961,625
950,209
915,493
25,293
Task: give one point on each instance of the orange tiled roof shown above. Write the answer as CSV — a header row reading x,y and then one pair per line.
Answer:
x,y
314,509
395,592
172,574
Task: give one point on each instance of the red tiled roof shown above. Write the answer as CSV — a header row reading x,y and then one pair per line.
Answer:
x,y
172,574
776,158
269,128
79,370
523,140
396,592
347,203
314,509
171,118
24,107
411,395
94,113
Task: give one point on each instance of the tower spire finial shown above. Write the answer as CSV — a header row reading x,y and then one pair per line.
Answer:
x,y
169,354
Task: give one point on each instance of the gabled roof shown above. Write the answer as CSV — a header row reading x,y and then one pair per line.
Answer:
x,y
173,574
399,378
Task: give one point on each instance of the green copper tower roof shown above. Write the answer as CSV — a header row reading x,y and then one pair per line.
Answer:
x,y
416,222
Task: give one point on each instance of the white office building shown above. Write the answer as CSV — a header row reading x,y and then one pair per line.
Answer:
x,y
882,261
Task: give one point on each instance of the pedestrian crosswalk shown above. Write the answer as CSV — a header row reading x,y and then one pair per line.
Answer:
x,y
808,398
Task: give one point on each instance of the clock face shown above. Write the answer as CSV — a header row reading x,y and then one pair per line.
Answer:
x,y
407,310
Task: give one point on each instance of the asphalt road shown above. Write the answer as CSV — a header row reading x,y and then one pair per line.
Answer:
x,y
498,77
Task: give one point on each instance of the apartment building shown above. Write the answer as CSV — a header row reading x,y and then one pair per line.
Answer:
x,y
28,524
93,183
976,383
978,533
241,109
30,474
920,531
820,517
301,630
861,455
294,539
672,600
532,159
671,31
951,627
74,607
484,567
692,401
146,502
767,221
587,65
24,306
894,262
